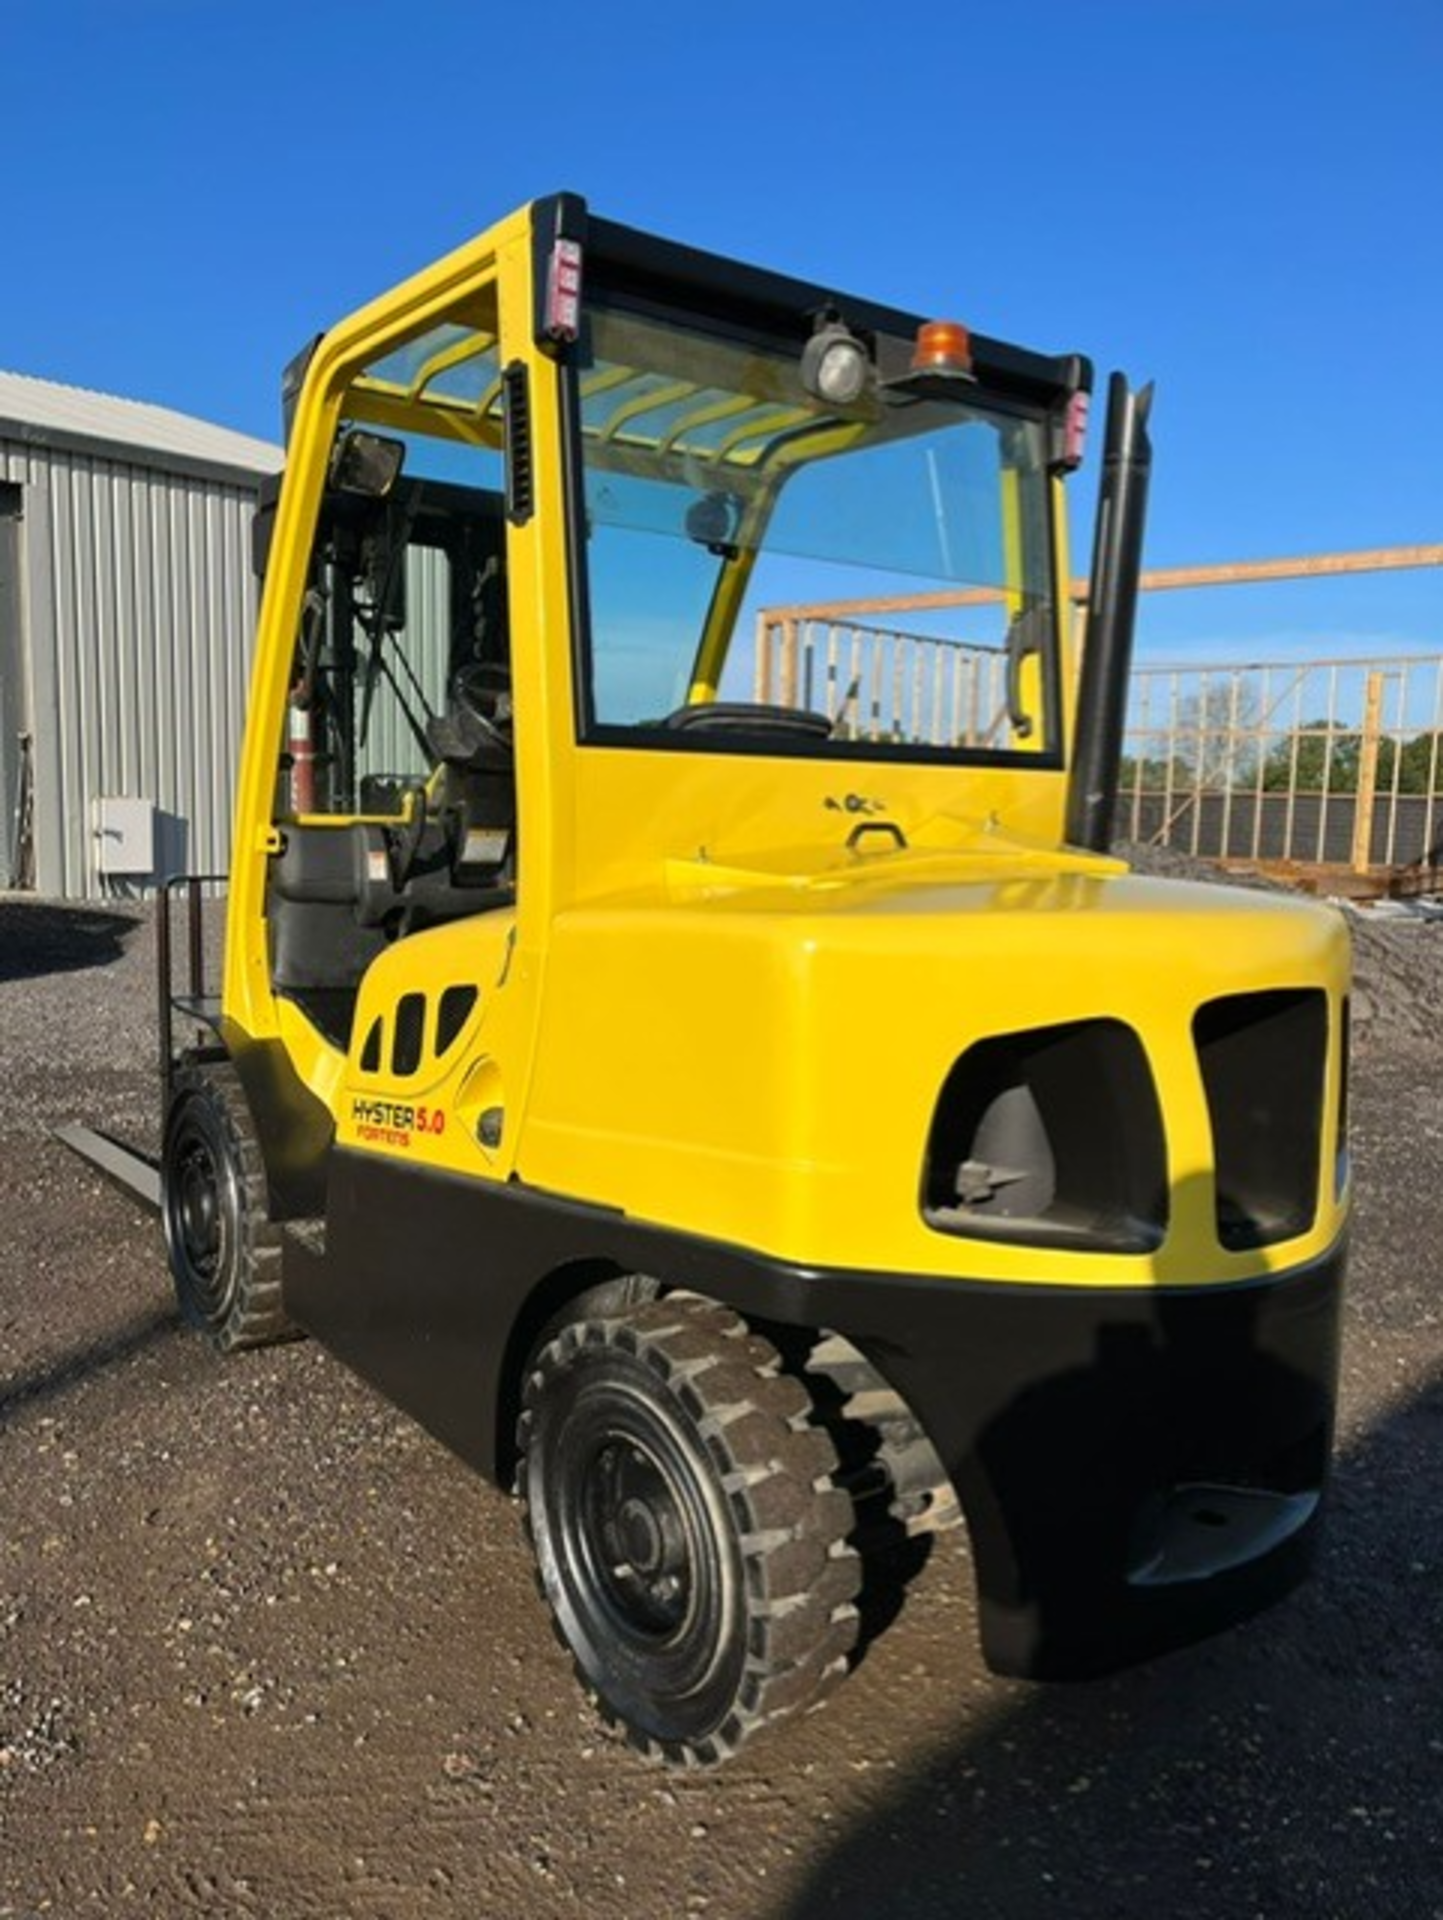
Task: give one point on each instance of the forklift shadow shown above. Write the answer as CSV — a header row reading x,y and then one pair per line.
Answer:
x,y
38,939
1288,1768
57,1376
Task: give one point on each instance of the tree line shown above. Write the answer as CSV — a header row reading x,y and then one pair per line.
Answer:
x,y
1216,746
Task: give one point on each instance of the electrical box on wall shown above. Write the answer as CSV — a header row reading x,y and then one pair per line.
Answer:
x,y
125,836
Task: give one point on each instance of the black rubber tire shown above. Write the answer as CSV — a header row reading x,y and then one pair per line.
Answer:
x,y
689,1539
225,1254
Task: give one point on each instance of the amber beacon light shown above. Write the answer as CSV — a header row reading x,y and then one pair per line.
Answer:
x,y
943,346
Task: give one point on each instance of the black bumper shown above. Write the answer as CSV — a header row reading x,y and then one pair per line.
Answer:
x,y
1137,1470
1138,1467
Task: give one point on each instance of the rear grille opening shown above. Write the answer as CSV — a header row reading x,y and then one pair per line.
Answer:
x,y
1263,1057
371,1051
452,1015
409,1034
1053,1136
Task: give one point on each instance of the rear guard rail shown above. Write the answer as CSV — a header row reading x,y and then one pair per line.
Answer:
x,y
135,1172
196,1004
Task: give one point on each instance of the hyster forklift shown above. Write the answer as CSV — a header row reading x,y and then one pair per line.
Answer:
x,y
726,1097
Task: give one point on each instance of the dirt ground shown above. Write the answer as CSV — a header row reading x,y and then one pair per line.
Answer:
x,y
265,1649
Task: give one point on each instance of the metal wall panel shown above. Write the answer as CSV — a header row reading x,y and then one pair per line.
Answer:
x,y
13,713
139,614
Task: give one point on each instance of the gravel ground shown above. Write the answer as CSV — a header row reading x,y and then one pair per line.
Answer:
x,y
267,1650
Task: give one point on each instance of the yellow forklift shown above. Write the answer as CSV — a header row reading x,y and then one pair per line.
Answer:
x,y
654,1076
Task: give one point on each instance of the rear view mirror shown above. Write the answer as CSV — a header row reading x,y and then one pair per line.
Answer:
x,y
366,463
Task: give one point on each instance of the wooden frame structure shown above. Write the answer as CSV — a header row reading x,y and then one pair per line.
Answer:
x,y
1325,766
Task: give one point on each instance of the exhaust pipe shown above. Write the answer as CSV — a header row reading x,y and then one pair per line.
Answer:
x,y
1111,615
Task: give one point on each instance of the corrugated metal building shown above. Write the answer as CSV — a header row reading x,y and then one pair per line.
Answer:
x,y
127,610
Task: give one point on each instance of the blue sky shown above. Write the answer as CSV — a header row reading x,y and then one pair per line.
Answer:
x,y
1239,198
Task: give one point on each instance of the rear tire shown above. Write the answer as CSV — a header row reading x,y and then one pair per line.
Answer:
x,y
225,1254
688,1536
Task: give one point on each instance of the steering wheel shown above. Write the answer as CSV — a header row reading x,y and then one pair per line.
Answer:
x,y
475,729
748,716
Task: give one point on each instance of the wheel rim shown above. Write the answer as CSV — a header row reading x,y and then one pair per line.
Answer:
x,y
200,1216
638,1537
638,1551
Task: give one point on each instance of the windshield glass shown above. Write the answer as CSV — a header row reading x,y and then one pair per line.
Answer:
x,y
883,567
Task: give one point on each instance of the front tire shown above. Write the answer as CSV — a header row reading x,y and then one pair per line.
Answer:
x,y
689,1539
225,1254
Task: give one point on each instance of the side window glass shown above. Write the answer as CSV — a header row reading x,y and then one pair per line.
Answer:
x,y
404,610
402,658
